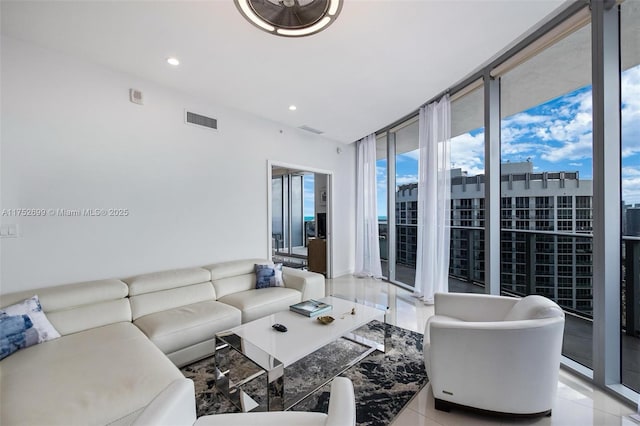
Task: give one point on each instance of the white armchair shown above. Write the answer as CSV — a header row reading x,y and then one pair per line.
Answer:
x,y
175,406
494,353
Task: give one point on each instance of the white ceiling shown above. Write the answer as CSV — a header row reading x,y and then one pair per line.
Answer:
x,y
378,62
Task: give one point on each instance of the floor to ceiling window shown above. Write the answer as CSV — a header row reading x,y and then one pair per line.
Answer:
x,y
406,202
630,202
547,175
381,188
546,184
466,260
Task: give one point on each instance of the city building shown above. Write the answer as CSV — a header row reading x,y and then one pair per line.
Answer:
x,y
407,224
542,217
632,222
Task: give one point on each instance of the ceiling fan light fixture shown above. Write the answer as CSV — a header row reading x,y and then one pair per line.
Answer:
x,y
290,18
305,31
248,13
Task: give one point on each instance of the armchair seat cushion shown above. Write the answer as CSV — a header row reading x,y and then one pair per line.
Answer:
x,y
187,325
257,303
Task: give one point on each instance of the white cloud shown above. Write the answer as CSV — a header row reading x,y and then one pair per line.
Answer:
x,y
381,178
467,153
405,179
631,112
631,190
578,150
630,171
631,184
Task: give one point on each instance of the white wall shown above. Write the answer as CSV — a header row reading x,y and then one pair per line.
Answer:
x,y
72,140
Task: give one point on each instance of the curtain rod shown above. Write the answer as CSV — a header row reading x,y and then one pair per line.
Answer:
x,y
486,69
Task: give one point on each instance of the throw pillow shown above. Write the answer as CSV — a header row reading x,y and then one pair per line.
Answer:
x,y
269,275
31,307
279,282
16,332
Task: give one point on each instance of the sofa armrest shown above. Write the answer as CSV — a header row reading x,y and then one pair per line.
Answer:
x,y
473,307
174,406
342,403
310,284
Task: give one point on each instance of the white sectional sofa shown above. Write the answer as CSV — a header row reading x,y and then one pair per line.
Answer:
x,y
122,340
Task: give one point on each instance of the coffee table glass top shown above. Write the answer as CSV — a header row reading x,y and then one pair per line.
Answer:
x,y
305,335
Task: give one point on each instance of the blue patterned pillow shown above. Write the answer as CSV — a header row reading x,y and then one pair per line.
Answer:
x,y
16,332
269,276
32,308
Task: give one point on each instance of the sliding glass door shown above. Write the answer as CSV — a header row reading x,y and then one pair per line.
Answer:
x,y
288,226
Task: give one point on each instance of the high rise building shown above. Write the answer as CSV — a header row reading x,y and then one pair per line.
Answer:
x,y
407,224
632,215
543,215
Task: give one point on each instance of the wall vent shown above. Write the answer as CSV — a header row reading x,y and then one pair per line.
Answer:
x,y
311,129
200,120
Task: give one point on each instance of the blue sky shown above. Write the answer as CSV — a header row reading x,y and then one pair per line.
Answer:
x,y
555,136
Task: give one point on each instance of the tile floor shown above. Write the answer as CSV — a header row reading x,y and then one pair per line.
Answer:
x,y
577,403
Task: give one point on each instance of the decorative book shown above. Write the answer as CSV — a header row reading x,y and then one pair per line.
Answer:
x,y
311,308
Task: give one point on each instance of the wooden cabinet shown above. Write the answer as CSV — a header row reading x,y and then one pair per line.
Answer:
x,y
317,255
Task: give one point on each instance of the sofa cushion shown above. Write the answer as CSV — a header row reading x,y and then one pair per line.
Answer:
x,y
80,306
233,268
235,284
88,378
534,307
163,300
188,325
71,295
257,303
165,280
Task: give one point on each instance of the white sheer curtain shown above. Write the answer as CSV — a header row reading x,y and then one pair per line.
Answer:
x,y
367,244
434,200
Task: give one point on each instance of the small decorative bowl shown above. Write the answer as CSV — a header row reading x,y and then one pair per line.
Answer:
x,y
326,319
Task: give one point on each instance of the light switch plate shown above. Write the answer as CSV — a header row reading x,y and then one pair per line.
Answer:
x,y
9,231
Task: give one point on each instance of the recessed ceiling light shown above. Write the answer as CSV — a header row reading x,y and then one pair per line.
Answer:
x,y
292,107
173,61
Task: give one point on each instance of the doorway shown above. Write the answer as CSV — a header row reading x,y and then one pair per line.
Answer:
x,y
299,222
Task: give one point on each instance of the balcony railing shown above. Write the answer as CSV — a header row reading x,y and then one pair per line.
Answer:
x,y
562,271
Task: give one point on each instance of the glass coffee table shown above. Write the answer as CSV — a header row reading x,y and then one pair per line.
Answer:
x,y
273,354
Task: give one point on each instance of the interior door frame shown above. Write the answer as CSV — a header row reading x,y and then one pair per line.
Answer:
x,y
329,237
